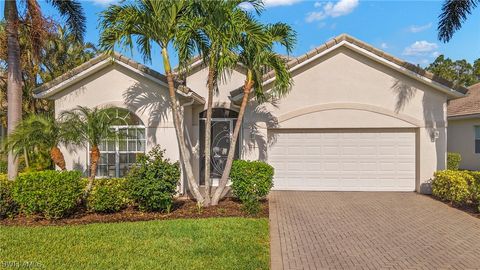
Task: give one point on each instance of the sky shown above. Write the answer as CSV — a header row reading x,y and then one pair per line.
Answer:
x,y
406,29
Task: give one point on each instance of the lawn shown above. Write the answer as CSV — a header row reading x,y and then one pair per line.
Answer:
x,y
214,243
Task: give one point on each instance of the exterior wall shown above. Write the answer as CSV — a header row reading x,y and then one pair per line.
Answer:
x,y
118,86
461,139
343,90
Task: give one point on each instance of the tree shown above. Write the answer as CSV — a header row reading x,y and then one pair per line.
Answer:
x,y
89,127
221,24
75,20
162,23
40,131
258,58
459,72
454,14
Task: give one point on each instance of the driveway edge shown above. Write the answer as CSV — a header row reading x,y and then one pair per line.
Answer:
x,y
276,261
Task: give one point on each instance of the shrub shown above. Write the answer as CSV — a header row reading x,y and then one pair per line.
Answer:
x,y
108,195
452,186
53,194
8,206
153,180
474,186
453,161
251,181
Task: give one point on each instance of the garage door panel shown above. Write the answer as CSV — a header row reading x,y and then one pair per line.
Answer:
x,y
356,161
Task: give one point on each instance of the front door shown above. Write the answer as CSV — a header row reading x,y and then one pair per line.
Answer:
x,y
221,132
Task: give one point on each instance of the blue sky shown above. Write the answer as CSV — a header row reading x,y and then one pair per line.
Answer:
x,y
406,29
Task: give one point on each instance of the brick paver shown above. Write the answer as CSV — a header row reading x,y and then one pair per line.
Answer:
x,y
370,230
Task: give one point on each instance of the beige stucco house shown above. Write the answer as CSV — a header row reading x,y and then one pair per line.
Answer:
x,y
464,128
356,118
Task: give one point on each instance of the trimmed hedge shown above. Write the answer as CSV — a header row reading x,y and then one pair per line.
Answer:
x,y
53,194
8,207
108,195
453,161
452,186
153,180
251,181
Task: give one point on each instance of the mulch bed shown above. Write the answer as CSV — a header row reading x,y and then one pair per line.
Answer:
x,y
467,208
183,208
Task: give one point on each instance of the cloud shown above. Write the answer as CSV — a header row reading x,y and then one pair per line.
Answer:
x,y
420,48
333,10
104,2
317,4
384,45
419,28
273,3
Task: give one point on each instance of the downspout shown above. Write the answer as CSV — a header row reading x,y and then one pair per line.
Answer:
x,y
182,184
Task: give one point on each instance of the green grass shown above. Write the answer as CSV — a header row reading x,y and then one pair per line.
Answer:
x,y
216,243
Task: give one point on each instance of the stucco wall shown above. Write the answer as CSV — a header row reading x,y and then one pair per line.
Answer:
x,y
461,139
118,86
343,90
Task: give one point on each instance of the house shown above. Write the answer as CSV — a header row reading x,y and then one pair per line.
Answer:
x,y
464,128
356,118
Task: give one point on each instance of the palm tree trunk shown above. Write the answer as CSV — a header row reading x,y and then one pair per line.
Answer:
x,y
219,192
58,158
94,157
14,80
208,131
184,155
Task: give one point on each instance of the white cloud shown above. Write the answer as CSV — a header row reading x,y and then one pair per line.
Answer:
x,y
384,45
272,3
333,10
419,28
104,2
420,48
317,4
435,54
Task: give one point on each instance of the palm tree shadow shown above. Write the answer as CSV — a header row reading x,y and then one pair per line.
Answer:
x,y
264,119
145,100
404,93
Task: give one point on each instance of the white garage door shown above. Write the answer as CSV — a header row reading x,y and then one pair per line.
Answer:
x,y
343,160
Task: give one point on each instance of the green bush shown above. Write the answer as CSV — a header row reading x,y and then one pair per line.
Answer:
x,y
474,186
108,195
152,181
8,207
53,194
251,181
453,161
452,186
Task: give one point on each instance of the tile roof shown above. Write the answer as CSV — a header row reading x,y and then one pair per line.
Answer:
x,y
467,105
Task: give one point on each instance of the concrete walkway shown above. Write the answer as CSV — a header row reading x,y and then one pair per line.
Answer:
x,y
370,230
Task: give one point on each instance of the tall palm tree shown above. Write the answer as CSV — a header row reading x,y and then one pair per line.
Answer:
x,y
454,14
40,130
75,20
89,127
222,24
258,58
162,23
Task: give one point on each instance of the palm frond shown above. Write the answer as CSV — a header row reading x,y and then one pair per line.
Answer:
x,y
454,14
75,17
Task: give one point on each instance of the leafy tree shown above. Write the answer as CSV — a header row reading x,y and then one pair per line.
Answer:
x,y
460,71
258,58
89,127
75,19
38,132
164,23
454,14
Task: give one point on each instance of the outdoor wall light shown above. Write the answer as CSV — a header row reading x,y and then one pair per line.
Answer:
x,y
434,135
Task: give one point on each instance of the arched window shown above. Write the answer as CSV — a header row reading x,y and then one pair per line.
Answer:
x,y
118,154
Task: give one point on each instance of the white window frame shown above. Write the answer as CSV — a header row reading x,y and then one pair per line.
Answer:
x,y
476,139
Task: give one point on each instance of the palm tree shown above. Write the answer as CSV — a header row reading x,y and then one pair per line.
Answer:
x,y
258,58
89,127
162,23
75,20
454,14
40,131
222,24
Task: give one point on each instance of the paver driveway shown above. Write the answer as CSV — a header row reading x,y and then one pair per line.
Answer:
x,y
370,230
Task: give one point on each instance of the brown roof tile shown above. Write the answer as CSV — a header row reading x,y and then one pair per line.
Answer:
x,y
467,105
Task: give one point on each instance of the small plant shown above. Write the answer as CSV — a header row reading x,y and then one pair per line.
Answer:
x,y
453,161
452,186
251,181
108,195
53,194
8,207
153,180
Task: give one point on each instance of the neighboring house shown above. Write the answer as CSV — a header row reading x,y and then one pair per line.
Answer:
x,y
356,118
464,128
